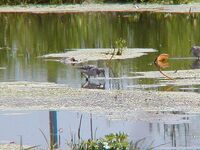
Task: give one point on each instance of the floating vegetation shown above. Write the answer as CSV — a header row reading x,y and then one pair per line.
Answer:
x,y
120,44
111,142
161,62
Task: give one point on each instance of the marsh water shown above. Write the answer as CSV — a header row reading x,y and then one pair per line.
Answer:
x,y
24,37
162,130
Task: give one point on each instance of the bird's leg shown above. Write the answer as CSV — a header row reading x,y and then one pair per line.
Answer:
x,y
85,84
83,74
86,77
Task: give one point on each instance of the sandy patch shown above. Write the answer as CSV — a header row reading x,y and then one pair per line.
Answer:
x,y
84,55
181,78
184,8
15,147
115,104
183,74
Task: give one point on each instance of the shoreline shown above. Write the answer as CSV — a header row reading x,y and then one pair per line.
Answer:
x,y
81,8
115,103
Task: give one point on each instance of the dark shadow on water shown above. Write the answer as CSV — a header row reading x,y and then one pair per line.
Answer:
x,y
53,129
196,64
92,85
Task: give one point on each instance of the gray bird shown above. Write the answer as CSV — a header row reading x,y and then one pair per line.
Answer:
x,y
196,51
91,70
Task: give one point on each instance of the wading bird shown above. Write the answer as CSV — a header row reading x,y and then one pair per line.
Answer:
x,y
196,51
91,70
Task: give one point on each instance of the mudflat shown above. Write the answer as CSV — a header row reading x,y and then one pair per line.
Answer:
x,y
115,103
183,8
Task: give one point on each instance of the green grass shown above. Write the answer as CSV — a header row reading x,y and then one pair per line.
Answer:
x,y
118,141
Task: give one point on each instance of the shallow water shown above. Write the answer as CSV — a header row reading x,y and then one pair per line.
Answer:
x,y
24,37
167,130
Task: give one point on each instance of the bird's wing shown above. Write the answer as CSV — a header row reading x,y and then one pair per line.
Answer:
x,y
87,67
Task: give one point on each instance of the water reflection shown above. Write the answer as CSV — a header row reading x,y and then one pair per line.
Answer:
x,y
162,130
24,37
53,129
196,64
92,85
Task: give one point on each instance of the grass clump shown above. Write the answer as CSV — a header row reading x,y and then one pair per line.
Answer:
x,y
118,141
120,44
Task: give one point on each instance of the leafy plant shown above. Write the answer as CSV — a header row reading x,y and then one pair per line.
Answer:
x,y
118,141
120,44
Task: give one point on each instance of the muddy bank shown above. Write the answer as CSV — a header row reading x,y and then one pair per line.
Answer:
x,y
178,78
14,147
84,55
184,8
116,103
176,74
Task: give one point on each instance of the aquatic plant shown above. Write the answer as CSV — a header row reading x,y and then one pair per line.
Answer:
x,y
120,44
113,141
118,141
161,63
162,58
21,146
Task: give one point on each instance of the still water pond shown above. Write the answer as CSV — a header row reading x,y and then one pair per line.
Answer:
x,y
24,37
167,130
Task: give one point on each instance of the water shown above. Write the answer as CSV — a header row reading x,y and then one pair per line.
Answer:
x,y
167,130
24,37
